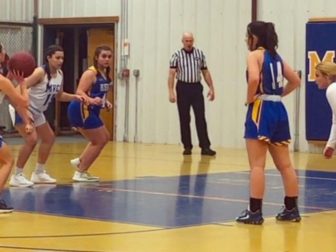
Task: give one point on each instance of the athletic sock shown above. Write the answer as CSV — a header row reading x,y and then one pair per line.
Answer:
x,y
290,202
39,168
255,204
18,170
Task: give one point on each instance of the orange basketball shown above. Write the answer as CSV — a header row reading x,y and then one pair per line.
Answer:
x,y
23,62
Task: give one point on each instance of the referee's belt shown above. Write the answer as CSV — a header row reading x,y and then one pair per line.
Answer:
x,y
266,97
189,83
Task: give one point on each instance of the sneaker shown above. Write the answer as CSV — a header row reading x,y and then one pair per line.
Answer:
x,y
20,180
187,152
208,152
84,177
42,178
75,163
4,208
249,217
289,215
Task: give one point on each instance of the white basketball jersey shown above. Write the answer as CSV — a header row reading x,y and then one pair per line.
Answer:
x,y
42,94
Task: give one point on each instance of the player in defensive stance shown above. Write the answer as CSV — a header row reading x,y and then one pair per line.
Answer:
x,y
44,84
93,85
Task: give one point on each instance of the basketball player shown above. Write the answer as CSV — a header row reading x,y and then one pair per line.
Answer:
x,y
45,83
326,79
93,85
20,101
267,126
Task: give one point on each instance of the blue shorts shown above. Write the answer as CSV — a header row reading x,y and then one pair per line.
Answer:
x,y
267,121
80,117
1,141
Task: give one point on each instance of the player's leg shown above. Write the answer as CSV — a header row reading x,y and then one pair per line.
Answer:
x,y
7,161
30,140
256,150
47,137
282,161
97,138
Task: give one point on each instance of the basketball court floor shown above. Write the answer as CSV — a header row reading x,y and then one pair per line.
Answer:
x,y
151,198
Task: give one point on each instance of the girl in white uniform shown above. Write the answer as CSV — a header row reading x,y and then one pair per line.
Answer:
x,y
20,101
326,79
45,83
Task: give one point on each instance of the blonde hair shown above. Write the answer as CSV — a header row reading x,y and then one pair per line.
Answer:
x,y
327,69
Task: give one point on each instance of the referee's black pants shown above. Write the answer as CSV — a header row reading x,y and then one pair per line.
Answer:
x,y
191,95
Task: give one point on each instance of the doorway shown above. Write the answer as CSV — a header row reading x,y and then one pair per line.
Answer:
x,y
79,42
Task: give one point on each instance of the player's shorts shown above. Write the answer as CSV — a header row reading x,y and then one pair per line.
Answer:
x,y
267,120
38,118
80,117
1,141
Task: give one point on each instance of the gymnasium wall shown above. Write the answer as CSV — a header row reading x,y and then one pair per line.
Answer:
x,y
78,8
16,10
155,29
14,38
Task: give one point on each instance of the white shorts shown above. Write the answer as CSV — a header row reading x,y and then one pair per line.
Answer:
x,y
38,117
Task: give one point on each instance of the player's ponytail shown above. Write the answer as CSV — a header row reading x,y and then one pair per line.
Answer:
x,y
271,38
266,35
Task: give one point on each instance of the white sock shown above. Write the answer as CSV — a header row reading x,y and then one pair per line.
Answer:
x,y
18,170
39,168
77,161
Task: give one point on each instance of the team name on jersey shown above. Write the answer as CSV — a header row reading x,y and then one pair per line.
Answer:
x,y
104,87
53,88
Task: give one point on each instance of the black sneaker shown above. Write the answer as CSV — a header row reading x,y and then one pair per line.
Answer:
x,y
289,215
208,152
187,152
4,208
249,217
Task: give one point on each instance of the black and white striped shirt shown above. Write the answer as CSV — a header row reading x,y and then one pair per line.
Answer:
x,y
188,65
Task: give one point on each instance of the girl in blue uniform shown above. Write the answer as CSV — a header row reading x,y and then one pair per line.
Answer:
x,y
266,126
93,86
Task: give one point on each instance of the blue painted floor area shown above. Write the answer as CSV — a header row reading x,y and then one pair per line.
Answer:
x,y
172,201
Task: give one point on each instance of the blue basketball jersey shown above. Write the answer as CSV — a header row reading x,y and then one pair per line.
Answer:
x,y
87,117
99,89
267,118
271,75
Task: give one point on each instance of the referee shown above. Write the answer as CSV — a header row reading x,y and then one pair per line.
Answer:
x,y
186,65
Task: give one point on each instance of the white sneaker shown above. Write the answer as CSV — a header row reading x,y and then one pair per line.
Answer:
x,y
20,180
84,177
75,163
42,178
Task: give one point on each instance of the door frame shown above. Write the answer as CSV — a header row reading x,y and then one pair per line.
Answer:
x,y
96,21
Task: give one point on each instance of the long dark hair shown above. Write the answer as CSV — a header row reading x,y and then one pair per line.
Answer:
x,y
97,52
52,49
265,32
3,65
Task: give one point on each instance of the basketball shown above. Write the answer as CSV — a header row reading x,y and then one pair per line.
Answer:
x,y
23,62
